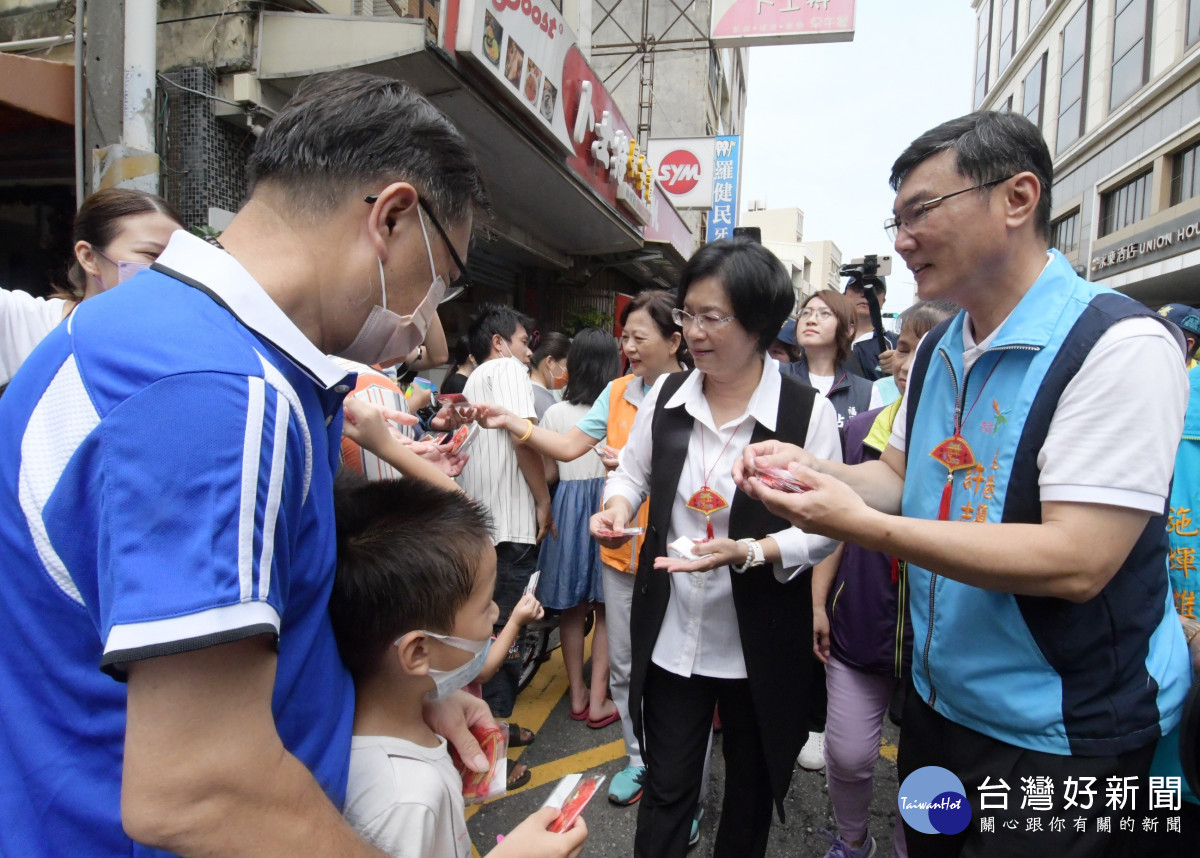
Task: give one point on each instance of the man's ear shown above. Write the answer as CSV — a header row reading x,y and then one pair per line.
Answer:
x,y
1021,196
412,653
393,203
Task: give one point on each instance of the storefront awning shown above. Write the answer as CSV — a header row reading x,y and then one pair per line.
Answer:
x,y
541,206
37,113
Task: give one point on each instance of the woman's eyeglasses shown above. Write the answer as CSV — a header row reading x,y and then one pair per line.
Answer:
x,y
818,313
703,322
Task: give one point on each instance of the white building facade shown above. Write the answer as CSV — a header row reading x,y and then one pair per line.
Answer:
x,y
1114,86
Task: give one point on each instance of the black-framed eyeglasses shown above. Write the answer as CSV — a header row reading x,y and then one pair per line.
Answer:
x,y
908,216
453,290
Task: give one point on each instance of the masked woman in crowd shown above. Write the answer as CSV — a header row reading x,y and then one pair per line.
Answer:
x,y
116,233
726,617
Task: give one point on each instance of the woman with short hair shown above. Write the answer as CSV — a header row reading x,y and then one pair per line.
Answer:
x,y
730,624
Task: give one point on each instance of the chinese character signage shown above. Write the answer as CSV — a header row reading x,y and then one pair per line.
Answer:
x,y
722,218
781,22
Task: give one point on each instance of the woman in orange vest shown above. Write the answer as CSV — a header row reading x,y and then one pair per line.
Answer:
x,y
653,345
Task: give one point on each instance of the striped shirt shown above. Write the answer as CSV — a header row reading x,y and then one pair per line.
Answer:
x,y
375,387
492,475
166,475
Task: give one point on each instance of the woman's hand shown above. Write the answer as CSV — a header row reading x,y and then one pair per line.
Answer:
x,y
530,839
528,610
491,416
609,456
820,634
366,424
608,520
711,555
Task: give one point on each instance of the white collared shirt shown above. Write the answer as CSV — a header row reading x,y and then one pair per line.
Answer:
x,y
703,601
241,294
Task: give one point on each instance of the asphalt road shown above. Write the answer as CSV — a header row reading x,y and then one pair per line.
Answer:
x,y
564,746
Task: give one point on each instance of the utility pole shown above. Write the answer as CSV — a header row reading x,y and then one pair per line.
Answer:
x,y
121,70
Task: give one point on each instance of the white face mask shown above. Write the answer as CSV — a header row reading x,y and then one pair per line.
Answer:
x,y
512,356
387,336
446,682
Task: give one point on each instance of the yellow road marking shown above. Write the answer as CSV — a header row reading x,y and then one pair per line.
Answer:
x,y
887,750
532,710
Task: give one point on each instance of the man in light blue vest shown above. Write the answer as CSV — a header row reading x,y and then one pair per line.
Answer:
x,y
1043,422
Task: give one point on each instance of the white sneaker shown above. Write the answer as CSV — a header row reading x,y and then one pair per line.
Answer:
x,y
812,755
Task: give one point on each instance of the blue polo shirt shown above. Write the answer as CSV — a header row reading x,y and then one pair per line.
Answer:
x,y
166,468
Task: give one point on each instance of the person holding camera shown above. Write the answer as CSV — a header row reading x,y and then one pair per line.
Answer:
x,y
872,348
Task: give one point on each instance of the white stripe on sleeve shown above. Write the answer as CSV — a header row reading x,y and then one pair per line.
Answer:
x,y
251,449
274,492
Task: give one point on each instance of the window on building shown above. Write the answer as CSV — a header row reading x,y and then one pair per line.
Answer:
x,y
1034,92
1131,49
1008,33
1193,22
1065,232
1126,204
1185,178
1037,8
983,50
1073,80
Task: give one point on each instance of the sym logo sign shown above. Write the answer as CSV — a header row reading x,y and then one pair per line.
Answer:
x,y
679,171
685,170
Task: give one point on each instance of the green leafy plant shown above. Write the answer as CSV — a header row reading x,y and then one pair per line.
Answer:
x,y
577,320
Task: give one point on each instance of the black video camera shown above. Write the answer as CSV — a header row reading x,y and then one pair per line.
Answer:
x,y
866,273
867,269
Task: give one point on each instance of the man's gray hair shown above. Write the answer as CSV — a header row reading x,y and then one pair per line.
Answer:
x,y
351,133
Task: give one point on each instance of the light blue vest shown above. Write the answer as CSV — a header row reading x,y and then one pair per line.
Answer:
x,y
1100,678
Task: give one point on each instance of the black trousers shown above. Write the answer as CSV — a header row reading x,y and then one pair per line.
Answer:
x,y
515,563
929,739
676,719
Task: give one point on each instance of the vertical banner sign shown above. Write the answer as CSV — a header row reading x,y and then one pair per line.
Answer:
x,y
722,218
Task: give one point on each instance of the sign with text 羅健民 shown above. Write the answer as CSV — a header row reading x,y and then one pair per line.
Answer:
x,y
722,217
781,22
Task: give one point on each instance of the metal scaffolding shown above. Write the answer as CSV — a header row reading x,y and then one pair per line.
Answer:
x,y
638,51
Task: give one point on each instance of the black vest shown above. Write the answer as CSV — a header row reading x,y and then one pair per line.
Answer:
x,y
774,619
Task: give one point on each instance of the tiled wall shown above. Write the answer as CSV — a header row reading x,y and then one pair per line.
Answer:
x,y
204,157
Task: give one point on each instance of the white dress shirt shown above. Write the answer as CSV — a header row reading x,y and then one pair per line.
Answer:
x,y
703,601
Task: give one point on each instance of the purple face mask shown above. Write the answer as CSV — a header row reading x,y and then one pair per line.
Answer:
x,y
125,270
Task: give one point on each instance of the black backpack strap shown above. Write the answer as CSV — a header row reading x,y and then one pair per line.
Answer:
x,y
1022,501
916,375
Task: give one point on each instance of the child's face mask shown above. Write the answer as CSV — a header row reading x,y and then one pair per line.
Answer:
x,y
446,682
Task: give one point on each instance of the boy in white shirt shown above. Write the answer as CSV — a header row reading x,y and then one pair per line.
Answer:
x,y
412,611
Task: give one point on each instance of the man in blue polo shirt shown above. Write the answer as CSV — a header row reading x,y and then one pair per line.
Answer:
x,y
1026,484
167,545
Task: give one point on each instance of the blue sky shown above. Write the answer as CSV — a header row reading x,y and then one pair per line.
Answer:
x,y
825,122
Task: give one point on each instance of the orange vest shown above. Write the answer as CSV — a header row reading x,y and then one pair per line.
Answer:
x,y
620,423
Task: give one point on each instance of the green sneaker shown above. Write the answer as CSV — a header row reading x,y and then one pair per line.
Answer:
x,y
626,786
694,838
